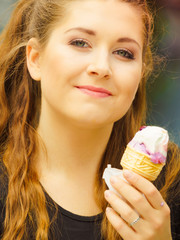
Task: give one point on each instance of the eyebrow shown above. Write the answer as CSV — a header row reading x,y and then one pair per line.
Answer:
x,y
93,33
85,30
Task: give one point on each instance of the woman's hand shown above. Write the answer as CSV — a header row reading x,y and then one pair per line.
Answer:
x,y
134,216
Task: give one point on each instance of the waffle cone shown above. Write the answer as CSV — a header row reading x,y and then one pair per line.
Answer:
x,y
140,163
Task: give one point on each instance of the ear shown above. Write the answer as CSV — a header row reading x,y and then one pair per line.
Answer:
x,y
33,59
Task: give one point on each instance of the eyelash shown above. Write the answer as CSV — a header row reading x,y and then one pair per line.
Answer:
x,y
74,42
127,54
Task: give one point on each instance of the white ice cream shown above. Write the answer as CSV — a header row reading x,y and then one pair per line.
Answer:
x,y
154,138
153,141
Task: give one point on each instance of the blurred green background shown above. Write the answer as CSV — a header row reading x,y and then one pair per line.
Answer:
x,y
164,89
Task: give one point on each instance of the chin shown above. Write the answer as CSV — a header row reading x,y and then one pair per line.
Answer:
x,y
92,123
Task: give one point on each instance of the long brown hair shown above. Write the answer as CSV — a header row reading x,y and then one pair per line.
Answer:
x,y
20,102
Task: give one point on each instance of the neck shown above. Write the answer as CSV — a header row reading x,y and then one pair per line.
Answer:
x,y
71,150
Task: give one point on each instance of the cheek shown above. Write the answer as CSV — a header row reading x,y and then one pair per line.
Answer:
x,y
63,64
127,80
126,85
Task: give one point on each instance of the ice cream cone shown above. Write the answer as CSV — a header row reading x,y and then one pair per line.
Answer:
x,y
140,163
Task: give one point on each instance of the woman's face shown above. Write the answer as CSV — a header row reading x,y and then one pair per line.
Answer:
x,y
92,65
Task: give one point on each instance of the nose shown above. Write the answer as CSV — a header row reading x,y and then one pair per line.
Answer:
x,y
100,68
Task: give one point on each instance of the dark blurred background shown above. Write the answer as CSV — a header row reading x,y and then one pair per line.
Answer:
x,y
164,89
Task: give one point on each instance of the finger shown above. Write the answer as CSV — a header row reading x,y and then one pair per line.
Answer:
x,y
133,196
120,225
146,187
125,211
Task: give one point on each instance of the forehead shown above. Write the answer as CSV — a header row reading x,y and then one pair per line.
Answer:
x,y
112,14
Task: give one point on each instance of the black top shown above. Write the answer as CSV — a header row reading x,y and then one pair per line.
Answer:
x,y
66,226
69,226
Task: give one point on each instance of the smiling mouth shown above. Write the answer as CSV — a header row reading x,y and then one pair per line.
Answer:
x,y
94,91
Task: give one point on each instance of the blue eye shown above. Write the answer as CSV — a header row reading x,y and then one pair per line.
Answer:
x,y
80,43
125,54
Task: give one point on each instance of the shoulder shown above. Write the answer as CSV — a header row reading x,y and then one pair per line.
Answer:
x,y
168,182
3,181
3,193
175,220
172,174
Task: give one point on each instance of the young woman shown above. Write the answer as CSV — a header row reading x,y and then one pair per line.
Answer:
x,y
72,95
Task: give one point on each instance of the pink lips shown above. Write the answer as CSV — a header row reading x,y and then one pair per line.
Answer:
x,y
94,91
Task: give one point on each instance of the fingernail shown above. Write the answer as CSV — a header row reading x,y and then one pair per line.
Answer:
x,y
127,173
108,209
107,193
162,204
